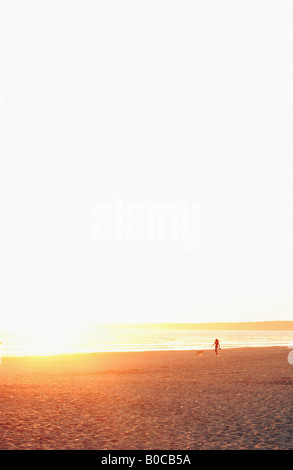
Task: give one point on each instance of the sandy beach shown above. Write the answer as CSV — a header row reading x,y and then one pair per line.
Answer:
x,y
148,400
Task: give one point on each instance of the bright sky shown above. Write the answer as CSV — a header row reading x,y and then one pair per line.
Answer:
x,y
135,104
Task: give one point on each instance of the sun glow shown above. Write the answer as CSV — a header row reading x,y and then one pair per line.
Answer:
x,y
35,337
49,340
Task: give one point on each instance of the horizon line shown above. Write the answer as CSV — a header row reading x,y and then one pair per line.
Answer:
x,y
280,324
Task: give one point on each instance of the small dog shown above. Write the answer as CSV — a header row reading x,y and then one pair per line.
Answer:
x,y
200,353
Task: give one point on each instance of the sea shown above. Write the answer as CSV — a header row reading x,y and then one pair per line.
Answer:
x,y
107,339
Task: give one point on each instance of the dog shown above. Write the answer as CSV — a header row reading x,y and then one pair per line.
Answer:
x,y
200,353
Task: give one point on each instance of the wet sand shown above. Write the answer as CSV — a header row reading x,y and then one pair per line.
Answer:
x,y
167,400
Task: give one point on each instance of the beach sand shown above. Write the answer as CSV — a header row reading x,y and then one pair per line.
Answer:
x,y
167,400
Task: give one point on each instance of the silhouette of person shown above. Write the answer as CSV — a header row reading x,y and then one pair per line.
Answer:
x,y
217,346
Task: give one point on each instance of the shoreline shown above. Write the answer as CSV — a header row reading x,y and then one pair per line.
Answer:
x,y
140,351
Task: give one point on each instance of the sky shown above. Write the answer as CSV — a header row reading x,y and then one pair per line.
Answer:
x,y
114,115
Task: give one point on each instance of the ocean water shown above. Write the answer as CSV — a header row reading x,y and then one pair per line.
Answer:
x,y
103,339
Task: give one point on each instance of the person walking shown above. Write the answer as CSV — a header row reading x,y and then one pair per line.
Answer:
x,y
217,346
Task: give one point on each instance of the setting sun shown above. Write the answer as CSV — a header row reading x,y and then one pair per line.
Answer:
x,y
45,338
